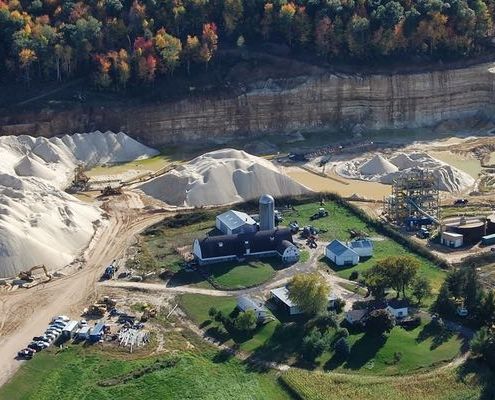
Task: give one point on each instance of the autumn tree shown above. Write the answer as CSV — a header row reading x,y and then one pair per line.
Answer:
x,y
267,20
209,43
191,51
323,36
169,49
232,13
309,292
26,58
285,20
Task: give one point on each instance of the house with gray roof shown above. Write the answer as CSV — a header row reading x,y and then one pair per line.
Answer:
x,y
341,254
232,222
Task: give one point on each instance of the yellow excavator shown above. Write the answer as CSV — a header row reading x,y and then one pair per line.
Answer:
x,y
28,275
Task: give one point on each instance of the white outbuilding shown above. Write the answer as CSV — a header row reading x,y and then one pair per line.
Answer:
x,y
232,222
363,247
452,239
341,254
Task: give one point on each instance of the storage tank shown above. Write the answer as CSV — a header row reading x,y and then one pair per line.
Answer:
x,y
267,212
490,224
472,231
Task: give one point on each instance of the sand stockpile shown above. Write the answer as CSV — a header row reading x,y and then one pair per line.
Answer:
x,y
221,177
39,222
377,166
379,169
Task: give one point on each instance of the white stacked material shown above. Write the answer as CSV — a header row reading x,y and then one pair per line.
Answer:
x,y
379,169
221,177
39,222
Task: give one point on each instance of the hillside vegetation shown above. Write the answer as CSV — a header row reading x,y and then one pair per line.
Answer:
x,y
122,41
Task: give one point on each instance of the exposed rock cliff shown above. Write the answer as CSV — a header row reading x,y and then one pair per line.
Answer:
x,y
304,103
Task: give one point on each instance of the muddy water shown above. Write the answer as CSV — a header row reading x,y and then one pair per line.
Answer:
x,y
470,165
150,164
341,186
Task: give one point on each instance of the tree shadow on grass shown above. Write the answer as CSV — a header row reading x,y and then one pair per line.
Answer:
x,y
437,334
364,350
474,372
333,266
183,277
335,362
223,355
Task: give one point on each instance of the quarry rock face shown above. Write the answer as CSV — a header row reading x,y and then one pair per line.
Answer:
x,y
278,106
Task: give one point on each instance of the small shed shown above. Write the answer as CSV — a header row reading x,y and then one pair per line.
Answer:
x,y
341,254
398,308
281,297
488,239
70,329
83,333
97,332
245,303
452,239
232,222
363,247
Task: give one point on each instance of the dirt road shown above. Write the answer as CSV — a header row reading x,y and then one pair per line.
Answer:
x,y
26,313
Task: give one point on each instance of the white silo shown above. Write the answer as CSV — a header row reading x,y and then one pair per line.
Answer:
x,y
267,212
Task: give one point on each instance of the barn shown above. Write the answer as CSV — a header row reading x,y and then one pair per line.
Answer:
x,y
341,254
363,247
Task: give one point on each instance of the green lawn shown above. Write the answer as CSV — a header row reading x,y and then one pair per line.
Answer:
x,y
465,383
78,373
233,275
418,349
337,226
197,306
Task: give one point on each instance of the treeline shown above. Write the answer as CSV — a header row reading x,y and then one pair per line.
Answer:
x,y
122,41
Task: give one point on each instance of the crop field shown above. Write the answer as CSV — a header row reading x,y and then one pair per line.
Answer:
x,y
449,383
77,373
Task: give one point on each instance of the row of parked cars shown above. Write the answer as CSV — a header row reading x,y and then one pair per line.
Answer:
x,y
50,336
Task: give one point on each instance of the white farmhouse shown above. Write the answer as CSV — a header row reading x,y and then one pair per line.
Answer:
x,y
398,308
341,254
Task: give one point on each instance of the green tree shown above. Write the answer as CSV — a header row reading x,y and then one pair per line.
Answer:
x,y
169,48
400,271
483,345
444,305
487,309
421,288
379,322
314,344
233,11
309,292
246,321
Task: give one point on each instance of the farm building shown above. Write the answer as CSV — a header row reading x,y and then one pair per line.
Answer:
x,y
398,308
452,239
70,329
246,303
363,247
281,297
341,254
275,242
356,316
232,222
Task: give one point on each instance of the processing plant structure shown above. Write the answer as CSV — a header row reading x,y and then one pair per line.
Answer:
x,y
414,201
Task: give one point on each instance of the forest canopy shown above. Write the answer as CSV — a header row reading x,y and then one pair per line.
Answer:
x,y
133,41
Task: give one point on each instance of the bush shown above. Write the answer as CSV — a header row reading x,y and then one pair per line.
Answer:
x,y
314,344
322,322
339,305
379,322
246,321
212,312
354,276
219,317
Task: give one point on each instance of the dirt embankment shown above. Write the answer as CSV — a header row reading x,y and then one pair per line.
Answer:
x,y
321,100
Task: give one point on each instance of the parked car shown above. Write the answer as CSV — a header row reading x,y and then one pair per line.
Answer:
x,y
51,336
42,344
63,318
56,328
38,338
35,346
26,353
60,324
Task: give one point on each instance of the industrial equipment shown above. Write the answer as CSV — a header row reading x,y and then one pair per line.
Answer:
x,y
28,275
322,213
111,191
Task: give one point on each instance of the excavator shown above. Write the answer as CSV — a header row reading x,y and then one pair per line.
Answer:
x,y
28,275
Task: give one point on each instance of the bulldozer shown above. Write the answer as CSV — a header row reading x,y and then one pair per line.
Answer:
x,y
28,275
111,191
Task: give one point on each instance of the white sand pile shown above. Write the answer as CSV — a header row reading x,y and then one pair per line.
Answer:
x,y
39,222
378,166
379,169
221,177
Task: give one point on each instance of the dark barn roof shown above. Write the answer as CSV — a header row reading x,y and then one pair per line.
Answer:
x,y
262,241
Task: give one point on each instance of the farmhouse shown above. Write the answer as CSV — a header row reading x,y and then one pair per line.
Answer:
x,y
356,316
363,247
398,308
274,242
232,222
245,303
341,254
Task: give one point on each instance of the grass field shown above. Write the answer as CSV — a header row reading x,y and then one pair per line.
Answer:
x,y
467,382
337,226
416,349
77,373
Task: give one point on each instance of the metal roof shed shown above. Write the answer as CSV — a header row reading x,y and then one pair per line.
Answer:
x,y
70,328
97,332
